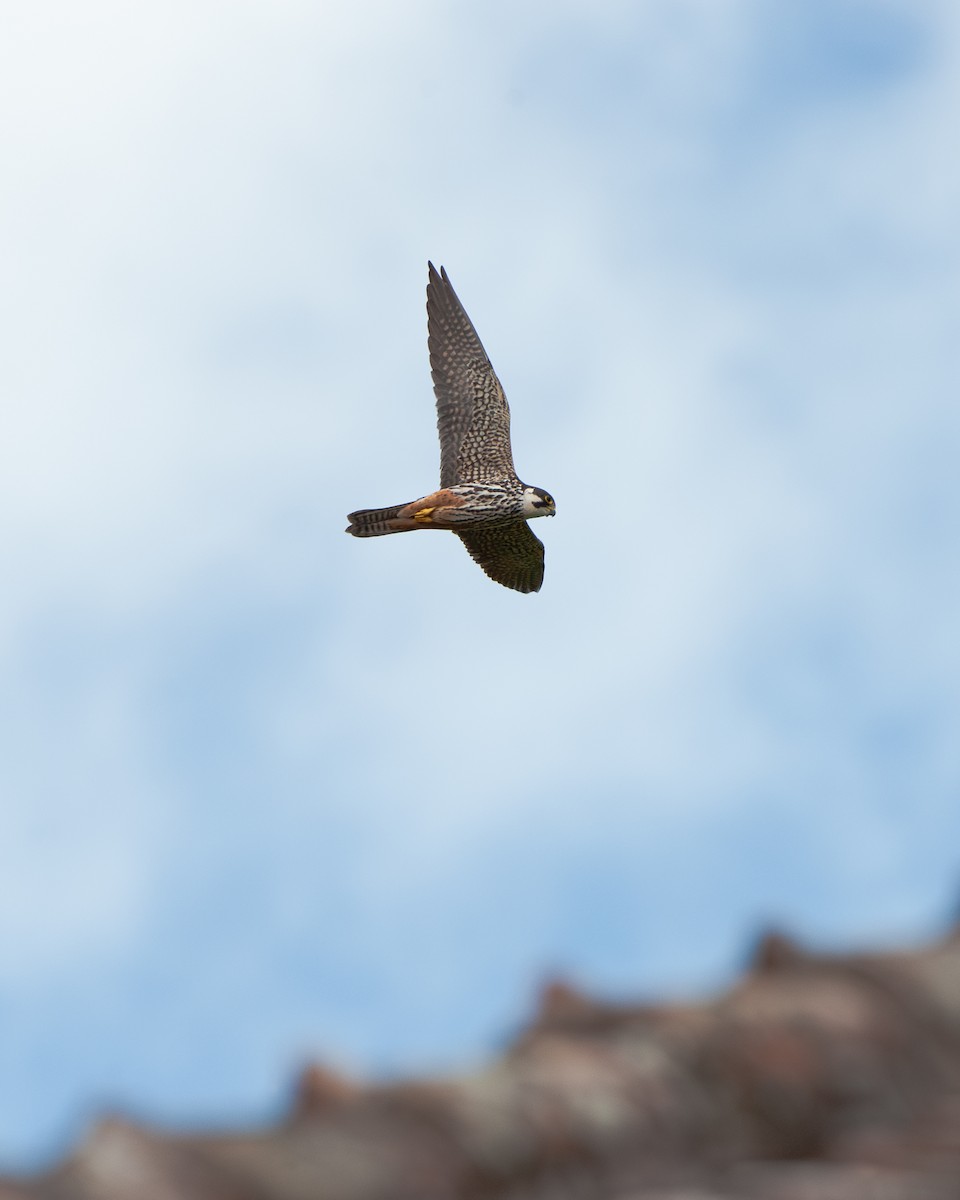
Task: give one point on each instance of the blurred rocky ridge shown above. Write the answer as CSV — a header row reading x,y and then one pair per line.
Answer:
x,y
815,1078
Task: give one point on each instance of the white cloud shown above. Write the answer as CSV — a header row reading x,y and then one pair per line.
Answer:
x,y
83,830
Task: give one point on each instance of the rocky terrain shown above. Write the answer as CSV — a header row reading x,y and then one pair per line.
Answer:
x,y
814,1078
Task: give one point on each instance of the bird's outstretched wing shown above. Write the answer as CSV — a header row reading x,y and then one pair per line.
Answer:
x,y
473,417
511,554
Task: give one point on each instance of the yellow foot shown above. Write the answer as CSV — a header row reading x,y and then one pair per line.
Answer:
x,y
423,514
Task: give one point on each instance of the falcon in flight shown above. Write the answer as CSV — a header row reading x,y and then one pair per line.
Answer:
x,y
480,499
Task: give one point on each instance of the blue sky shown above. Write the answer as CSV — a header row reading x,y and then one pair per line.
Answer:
x,y
249,812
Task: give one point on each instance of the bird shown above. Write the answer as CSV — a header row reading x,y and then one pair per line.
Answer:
x,y
481,499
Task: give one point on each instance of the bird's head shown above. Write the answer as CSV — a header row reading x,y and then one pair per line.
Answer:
x,y
538,503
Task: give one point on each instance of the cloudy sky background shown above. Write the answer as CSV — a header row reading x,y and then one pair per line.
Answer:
x,y
263,794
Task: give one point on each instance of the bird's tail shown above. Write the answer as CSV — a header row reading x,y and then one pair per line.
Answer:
x,y
376,522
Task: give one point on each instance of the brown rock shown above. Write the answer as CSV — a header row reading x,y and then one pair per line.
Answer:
x,y
815,1078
